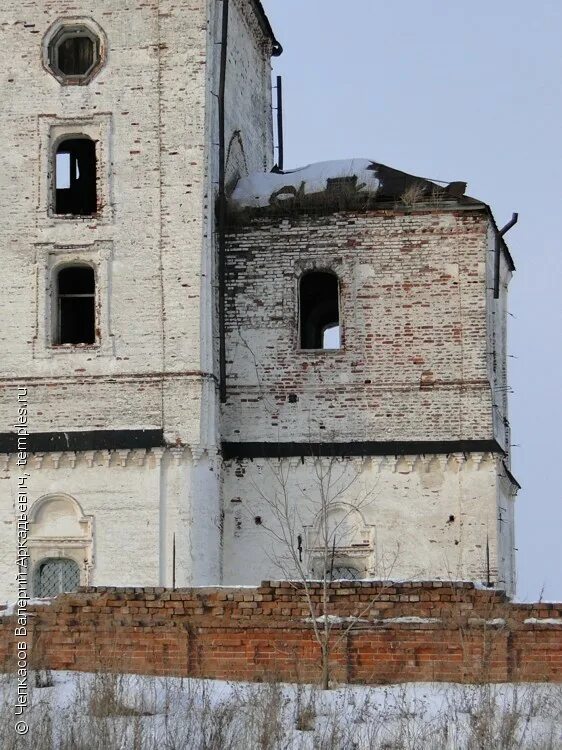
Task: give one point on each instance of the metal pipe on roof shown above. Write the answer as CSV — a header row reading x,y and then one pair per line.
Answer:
x,y
280,136
499,234
514,219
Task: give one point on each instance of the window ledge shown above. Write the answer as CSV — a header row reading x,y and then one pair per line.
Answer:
x,y
98,216
74,347
79,353
341,350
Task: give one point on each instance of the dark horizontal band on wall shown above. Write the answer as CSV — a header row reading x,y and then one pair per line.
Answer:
x,y
363,448
91,440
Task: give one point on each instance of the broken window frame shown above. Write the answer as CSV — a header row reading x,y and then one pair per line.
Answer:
x,y
58,322
322,329
84,182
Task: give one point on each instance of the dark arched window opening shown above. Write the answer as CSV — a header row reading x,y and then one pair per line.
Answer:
x,y
75,177
76,292
56,575
319,311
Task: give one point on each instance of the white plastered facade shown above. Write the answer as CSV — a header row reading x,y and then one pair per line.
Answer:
x,y
151,109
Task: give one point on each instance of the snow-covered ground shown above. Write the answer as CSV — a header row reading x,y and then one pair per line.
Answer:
x,y
120,712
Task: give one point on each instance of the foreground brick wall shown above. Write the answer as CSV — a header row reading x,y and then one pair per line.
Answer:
x,y
462,634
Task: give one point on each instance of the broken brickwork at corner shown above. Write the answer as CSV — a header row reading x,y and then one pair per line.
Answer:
x,y
409,632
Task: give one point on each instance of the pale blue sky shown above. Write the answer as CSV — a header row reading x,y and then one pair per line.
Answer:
x,y
458,91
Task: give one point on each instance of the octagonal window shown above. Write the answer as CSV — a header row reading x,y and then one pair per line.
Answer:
x,y
76,55
74,52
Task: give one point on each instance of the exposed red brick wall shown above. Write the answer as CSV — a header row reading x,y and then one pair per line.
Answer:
x,y
413,295
464,634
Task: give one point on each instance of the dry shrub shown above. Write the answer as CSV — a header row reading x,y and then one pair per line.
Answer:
x,y
413,194
117,712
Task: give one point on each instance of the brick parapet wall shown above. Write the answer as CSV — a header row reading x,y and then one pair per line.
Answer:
x,y
462,634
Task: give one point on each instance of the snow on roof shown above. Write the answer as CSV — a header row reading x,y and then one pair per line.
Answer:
x,y
256,190
360,177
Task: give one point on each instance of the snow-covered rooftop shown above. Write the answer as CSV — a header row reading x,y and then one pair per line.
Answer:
x,y
352,177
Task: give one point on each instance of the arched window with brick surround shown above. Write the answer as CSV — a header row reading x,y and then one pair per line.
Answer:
x,y
319,310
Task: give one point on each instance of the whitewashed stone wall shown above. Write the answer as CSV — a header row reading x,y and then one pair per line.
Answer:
x,y
152,110
135,502
154,98
430,517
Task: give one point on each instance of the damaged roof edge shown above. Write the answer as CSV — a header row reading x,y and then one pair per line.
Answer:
x,y
266,26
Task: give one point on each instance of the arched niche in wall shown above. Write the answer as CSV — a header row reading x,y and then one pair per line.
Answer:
x,y
340,544
59,531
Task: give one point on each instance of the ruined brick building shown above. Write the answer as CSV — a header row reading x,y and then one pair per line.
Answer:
x,y
186,325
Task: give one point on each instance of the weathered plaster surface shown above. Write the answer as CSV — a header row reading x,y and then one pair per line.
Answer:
x,y
430,516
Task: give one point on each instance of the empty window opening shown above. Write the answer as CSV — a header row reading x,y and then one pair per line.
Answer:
x,y
56,576
76,55
319,311
331,337
76,291
75,177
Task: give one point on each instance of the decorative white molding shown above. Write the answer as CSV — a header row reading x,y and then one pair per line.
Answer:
x,y
70,457
122,456
404,464
56,458
157,454
435,463
105,457
89,457
177,454
77,545
197,452
138,457
38,459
